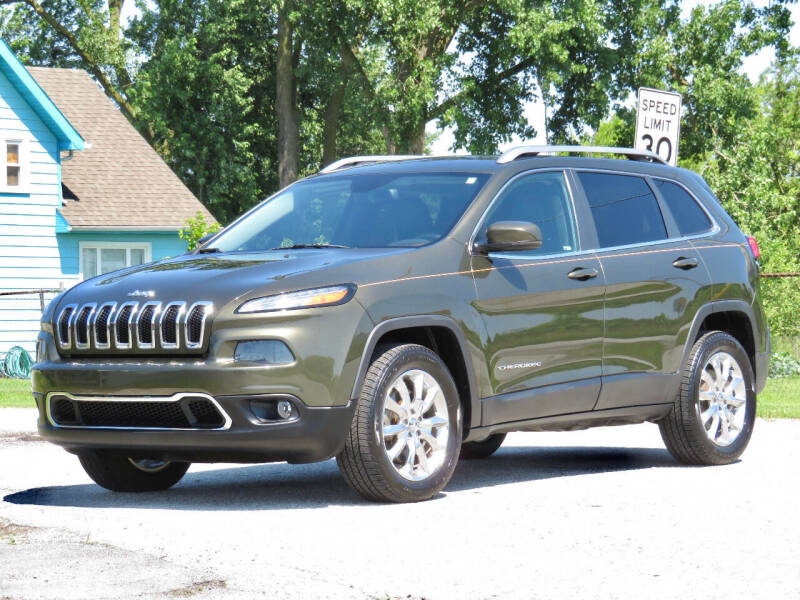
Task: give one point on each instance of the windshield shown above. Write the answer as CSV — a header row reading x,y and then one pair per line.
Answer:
x,y
375,210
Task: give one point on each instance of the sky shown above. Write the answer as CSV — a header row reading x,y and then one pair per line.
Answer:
x,y
534,111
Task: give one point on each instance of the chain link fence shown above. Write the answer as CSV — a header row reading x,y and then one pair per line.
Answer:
x,y
20,312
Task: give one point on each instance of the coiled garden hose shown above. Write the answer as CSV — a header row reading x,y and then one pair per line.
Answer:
x,y
16,364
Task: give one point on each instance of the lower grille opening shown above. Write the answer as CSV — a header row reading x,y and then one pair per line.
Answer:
x,y
190,412
63,412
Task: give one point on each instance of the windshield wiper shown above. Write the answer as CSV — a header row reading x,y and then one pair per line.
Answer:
x,y
299,246
209,250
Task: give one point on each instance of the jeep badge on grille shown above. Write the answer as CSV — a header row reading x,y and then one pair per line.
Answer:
x,y
142,294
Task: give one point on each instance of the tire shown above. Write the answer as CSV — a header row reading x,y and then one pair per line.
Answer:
x,y
377,462
688,429
484,449
119,473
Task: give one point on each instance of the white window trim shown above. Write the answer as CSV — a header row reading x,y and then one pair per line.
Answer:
x,y
146,246
24,166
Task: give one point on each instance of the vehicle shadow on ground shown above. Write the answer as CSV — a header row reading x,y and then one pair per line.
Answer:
x,y
281,486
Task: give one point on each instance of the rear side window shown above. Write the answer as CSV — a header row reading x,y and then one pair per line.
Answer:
x,y
691,219
624,209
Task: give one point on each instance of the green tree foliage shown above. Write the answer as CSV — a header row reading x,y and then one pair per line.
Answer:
x,y
196,228
756,176
230,108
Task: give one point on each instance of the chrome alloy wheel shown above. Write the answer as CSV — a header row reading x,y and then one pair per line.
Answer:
x,y
722,399
415,425
150,465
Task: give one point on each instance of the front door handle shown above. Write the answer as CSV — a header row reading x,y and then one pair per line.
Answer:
x,y
684,263
582,274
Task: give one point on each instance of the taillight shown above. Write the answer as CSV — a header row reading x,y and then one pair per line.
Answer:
x,y
754,247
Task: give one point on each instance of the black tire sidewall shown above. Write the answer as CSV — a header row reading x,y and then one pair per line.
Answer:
x,y
722,342
114,471
424,360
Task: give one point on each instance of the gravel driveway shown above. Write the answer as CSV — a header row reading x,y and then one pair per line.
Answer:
x,y
604,513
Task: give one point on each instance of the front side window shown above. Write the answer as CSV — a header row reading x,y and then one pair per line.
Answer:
x,y
541,199
98,259
690,218
624,209
369,210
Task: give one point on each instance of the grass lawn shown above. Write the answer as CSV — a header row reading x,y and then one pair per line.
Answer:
x,y
781,398
16,392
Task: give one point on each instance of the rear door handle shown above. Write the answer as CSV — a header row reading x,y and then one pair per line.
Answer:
x,y
582,274
684,263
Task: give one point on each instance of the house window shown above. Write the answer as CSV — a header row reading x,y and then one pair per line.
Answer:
x,y
13,174
104,257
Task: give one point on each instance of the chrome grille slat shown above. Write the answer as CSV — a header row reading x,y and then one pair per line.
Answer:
x,y
101,325
148,327
82,325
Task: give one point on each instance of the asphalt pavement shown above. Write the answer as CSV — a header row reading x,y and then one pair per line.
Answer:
x,y
604,513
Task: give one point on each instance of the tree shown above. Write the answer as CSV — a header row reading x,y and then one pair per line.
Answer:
x,y
87,34
756,176
701,58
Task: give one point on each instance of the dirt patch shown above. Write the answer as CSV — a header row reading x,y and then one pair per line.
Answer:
x,y
197,588
12,533
11,438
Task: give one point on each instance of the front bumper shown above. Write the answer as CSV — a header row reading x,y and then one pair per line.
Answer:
x,y
317,434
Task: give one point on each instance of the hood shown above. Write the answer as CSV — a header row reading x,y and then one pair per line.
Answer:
x,y
222,277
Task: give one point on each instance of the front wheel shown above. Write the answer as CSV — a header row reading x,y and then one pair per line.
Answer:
x,y
406,432
713,416
119,473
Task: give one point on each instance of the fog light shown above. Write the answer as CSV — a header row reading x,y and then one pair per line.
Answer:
x,y
285,409
270,352
274,410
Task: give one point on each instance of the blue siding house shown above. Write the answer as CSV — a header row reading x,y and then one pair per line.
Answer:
x,y
81,192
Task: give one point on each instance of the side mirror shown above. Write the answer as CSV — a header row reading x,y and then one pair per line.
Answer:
x,y
204,239
511,236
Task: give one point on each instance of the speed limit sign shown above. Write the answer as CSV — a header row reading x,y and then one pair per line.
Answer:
x,y
658,123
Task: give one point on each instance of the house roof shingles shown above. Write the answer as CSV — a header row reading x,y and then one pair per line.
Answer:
x,y
119,179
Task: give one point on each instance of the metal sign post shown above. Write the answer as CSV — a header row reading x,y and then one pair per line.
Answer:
x,y
658,123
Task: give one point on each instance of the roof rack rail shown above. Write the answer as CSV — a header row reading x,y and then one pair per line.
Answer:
x,y
352,161
529,151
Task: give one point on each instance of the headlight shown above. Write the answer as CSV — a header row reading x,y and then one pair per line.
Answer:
x,y
324,296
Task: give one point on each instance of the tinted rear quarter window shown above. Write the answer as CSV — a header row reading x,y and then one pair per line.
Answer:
x,y
691,219
624,209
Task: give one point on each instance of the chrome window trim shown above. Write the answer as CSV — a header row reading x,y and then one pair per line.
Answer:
x,y
111,314
181,308
714,230
65,344
134,311
206,314
153,334
510,255
174,398
92,306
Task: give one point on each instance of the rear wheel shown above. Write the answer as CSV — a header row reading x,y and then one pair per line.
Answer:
x,y
484,449
713,416
119,473
406,432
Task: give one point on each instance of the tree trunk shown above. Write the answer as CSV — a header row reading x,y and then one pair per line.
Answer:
x,y
285,94
417,144
333,111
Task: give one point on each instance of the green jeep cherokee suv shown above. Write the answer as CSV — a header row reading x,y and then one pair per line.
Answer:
x,y
401,312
